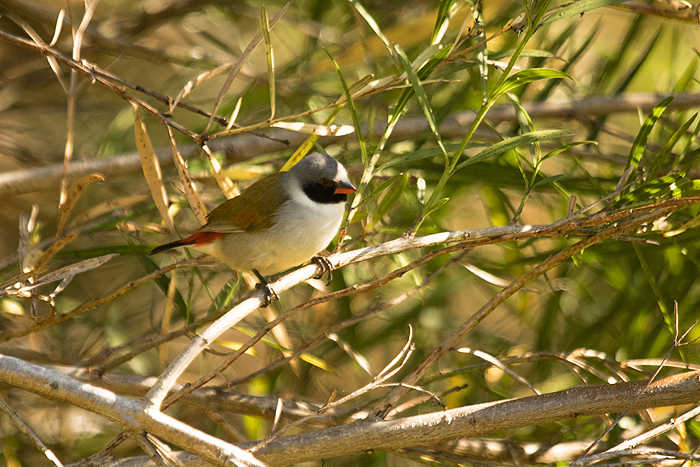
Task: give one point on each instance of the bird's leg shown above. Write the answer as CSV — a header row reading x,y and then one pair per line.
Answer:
x,y
326,267
270,294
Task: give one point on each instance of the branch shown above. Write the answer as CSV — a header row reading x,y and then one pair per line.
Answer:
x,y
246,146
466,422
382,409
132,415
169,377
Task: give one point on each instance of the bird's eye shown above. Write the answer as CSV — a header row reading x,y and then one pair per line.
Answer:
x,y
325,181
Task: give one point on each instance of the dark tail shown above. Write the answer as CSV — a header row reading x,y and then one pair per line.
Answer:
x,y
196,239
171,245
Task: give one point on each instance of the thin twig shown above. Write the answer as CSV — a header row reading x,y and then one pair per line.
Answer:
x,y
27,430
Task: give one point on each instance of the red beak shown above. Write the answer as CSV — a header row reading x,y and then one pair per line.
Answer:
x,y
345,188
344,191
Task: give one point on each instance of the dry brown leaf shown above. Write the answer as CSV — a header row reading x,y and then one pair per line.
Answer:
x,y
50,252
71,270
314,129
151,169
222,180
107,206
73,194
199,79
190,191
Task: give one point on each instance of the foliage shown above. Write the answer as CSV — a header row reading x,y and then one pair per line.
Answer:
x,y
559,129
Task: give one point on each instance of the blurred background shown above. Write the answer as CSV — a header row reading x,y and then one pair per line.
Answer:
x,y
615,300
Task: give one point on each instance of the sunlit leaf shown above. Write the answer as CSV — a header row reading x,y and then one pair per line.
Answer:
x,y
514,142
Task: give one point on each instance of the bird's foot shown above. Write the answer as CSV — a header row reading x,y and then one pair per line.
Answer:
x,y
270,294
325,265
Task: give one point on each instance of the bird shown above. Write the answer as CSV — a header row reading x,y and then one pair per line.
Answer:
x,y
280,221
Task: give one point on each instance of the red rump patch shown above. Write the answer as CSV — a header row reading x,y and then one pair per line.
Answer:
x,y
202,238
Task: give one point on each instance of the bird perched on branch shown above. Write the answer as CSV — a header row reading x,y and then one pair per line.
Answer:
x,y
278,222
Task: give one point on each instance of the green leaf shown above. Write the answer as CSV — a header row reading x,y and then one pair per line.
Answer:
x,y
390,199
265,26
422,96
641,140
532,53
666,150
548,180
527,76
572,59
375,27
358,216
669,186
511,143
424,154
380,189
482,52
632,71
225,296
438,204
352,108
577,9
163,283
442,21
565,147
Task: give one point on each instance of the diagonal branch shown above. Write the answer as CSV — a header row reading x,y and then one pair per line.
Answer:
x,y
467,422
132,415
383,408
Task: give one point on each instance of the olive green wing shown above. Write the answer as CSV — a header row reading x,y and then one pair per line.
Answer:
x,y
252,210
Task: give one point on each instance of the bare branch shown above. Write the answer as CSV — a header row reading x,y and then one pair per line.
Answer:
x,y
471,421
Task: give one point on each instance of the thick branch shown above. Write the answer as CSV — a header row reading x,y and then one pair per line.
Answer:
x,y
467,422
133,415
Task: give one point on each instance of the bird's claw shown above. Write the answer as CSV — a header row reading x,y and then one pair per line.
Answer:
x,y
326,267
270,294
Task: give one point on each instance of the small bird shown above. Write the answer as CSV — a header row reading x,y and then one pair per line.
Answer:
x,y
278,222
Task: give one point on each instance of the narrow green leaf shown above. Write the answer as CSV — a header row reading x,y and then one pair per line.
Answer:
x,y
607,67
686,161
265,26
641,140
527,76
358,216
163,283
375,27
424,154
482,53
651,278
225,296
380,189
531,53
442,21
577,9
548,180
572,59
352,108
426,70
355,87
438,204
641,59
687,78
422,96
661,157
668,186
565,147
511,143
392,196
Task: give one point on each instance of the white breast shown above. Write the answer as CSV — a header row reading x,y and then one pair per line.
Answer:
x,y
301,229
